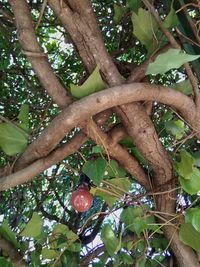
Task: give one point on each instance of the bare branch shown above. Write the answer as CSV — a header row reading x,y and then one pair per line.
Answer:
x,y
41,66
28,173
97,102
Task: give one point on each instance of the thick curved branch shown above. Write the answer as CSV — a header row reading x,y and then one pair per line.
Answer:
x,y
80,22
95,103
38,59
87,107
28,173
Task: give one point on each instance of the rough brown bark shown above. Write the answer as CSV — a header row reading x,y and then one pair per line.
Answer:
x,y
79,20
100,101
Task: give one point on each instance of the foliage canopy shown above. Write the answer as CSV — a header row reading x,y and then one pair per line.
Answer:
x,y
109,89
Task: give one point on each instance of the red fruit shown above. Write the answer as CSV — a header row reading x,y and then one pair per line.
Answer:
x,y
81,199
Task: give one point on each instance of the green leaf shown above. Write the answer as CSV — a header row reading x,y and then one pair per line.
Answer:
x,y
134,5
114,170
49,253
185,167
121,183
8,234
189,236
62,236
109,239
95,169
23,114
126,259
106,196
189,214
12,139
133,218
145,27
196,220
193,217
75,247
33,227
191,186
172,59
196,157
171,20
138,155
5,263
176,128
141,262
119,12
97,149
94,83
184,87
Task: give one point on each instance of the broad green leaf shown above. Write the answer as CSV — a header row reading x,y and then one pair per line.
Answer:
x,y
93,84
159,243
196,157
33,227
144,27
191,186
189,214
139,225
171,20
121,183
185,167
5,263
119,12
60,229
133,218
97,149
75,247
95,169
23,114
12,139
189,236
176,128
106,196
49,253
142,262
184,87
109,239
196,220
193,217
127,142
62,236
126,259
98,264
138,155
134,5
172,59
8,234
114,170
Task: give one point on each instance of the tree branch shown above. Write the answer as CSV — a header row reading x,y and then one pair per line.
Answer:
x,y
32,49
87,107
95,103
116,151
174,44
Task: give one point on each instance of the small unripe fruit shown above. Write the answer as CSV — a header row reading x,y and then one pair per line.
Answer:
x,y
81,199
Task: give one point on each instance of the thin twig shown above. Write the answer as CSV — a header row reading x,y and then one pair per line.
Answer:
x,y
41,13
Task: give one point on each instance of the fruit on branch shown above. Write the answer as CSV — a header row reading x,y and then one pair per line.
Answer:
x,y
81,198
